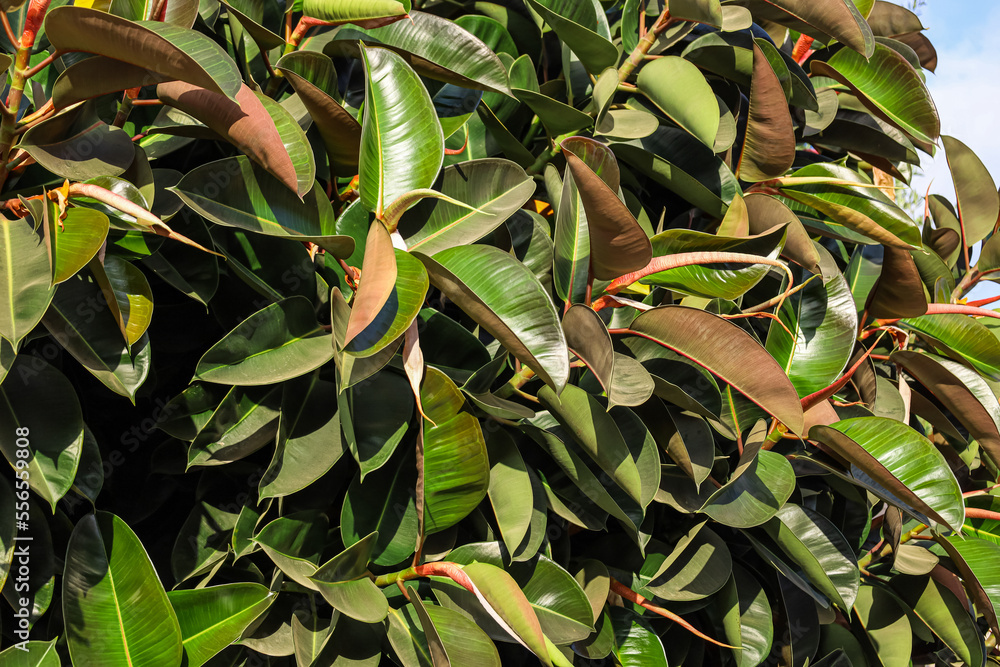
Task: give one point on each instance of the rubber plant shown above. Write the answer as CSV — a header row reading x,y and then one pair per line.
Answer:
x,y
370,332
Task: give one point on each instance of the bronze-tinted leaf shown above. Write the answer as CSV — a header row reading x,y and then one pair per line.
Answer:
x,y
617,243
898,292
769,147
378,279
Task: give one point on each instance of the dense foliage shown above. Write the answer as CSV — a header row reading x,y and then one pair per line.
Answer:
x,y
572,332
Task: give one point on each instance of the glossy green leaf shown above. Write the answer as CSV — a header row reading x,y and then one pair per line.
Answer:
x,y
235,193
279,342
440,49
759,488
455,465
497,188
823,323
961,335
862,209
383,503
39,398
91,335
402,145
978,201
976,560
944,614
25,279
212,618
375,418
355,11
293,542
815,544
888,86
313,77
127,294
74,242
309,437
111,589
727,280
477,279
243,422
582,28
886,625
505,602
31,654
902,461
746,614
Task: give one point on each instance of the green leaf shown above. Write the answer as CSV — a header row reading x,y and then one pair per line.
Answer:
x,y
944,614
80,147
862,209
683,165
902,461
236,193
760,486
214,617
596,432
635,642
709,12
454,465
33,654
964,393
75,241
438,49
93,338
815,544
963,336
294,543
978,201
39,398
888,86
823,323
886,624
571,257
727,351
243,422
127,294
583,28
309,437
478,279
505,602
169,50
680,90
280,342
355,11
510,484
375,418
563,610
713,279
746,618
497,188
978,561
383,503
344,583
699,565
111,589
25,282
402,145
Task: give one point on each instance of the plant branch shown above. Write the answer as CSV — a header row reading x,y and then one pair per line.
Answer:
x,y
644,45
628,594
14,41
32,71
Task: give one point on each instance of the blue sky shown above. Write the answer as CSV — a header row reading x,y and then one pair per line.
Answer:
x,y
965,88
